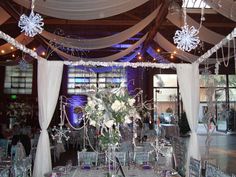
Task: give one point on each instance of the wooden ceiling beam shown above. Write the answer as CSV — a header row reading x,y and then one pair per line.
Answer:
x,y
161,16
7,6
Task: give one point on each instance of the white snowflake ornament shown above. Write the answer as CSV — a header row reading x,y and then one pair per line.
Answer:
x,y
186,38
23,65
31,25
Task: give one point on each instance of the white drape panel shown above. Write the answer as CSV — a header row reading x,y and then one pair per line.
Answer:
x,y
103,42
49,81
4,16
188,79
105,59
226,8
205,34
83,9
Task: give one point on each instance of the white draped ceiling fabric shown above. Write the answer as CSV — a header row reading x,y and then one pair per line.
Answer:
x,y
114,57
168,46
226,8
83,9
49,82
188,79
103,42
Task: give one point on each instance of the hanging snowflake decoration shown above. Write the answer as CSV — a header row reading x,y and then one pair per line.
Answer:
x,y
187,38
23,65
60,133
31,25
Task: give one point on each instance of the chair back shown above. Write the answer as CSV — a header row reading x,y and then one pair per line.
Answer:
x,y
17,152
194,167
4,172
4,146
22,168
141,157
121,157
179,154
213,171
87,158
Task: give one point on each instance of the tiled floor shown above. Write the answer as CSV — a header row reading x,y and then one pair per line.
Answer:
x,y
223,150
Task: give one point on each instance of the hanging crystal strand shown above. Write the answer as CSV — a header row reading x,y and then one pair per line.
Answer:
x,y
234,51
185,12
202,17
217,64
32,5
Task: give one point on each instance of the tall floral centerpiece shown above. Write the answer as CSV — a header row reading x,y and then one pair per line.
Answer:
x,y
107,110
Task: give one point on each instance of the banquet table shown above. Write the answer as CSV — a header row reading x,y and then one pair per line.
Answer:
x,y
102,172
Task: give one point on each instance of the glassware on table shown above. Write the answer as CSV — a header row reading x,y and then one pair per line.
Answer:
x,y
68,166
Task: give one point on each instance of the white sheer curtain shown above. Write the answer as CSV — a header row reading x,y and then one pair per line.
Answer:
x,y
49,81
188,78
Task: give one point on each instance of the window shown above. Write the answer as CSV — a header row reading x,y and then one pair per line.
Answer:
x,y
194,4
18,81
165,96
80,81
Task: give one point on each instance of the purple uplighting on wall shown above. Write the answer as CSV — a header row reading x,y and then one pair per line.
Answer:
x,y
76,100
133,77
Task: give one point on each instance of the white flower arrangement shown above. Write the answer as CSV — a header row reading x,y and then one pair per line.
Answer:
x,y
107,109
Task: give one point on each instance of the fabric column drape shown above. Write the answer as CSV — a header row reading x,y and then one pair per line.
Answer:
x,y
49,81
188,78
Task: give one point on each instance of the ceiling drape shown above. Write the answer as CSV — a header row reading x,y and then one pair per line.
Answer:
x,y
83,9
226,8
113,57
103,42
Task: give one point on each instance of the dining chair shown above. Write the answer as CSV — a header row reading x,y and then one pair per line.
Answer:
x,y
141,157
121,157
213,171
87,158
22,168
194,167
5,172
4,146
179,154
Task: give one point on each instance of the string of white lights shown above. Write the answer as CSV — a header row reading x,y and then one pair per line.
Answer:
x,y
121,64
32,53
19,46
